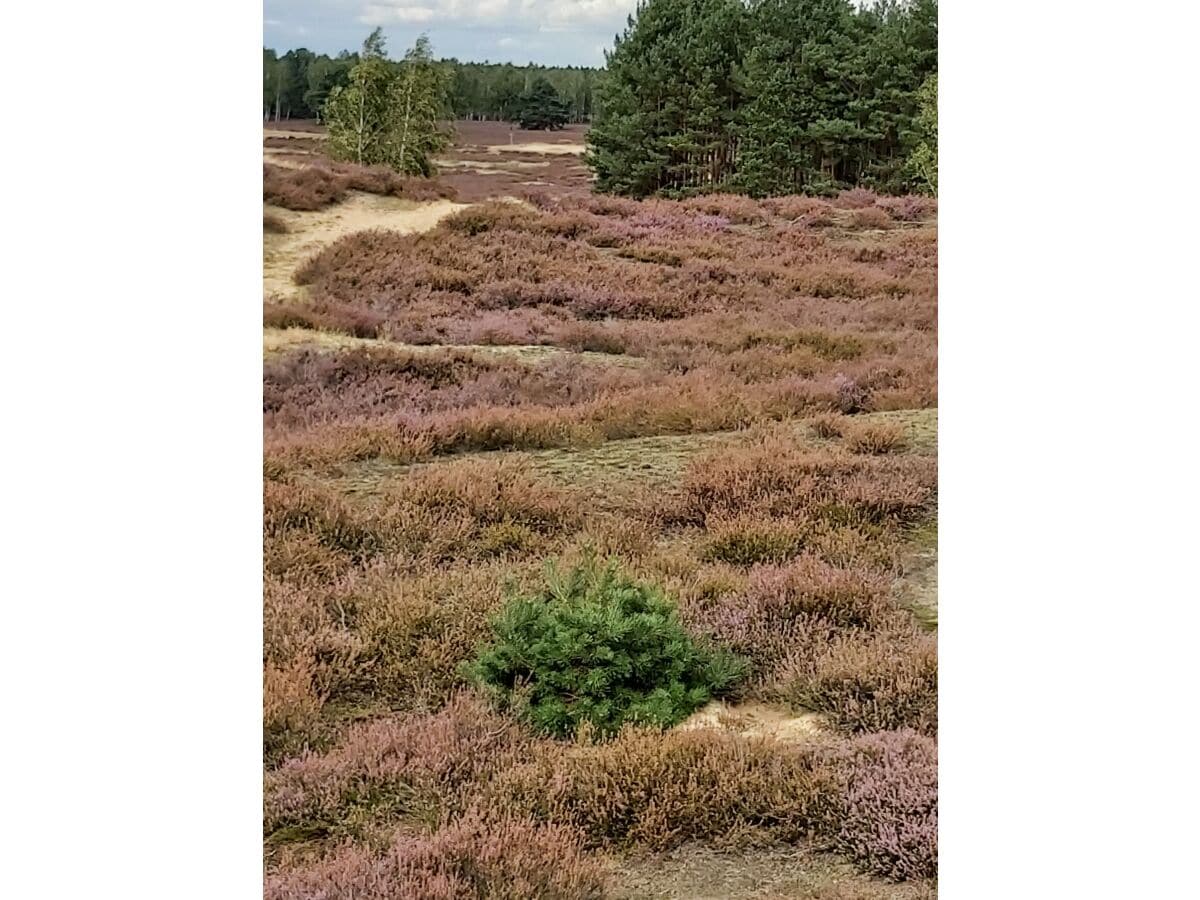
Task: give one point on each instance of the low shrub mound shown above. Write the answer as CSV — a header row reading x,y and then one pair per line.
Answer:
x,y
596,647
886,814
315,187
477,857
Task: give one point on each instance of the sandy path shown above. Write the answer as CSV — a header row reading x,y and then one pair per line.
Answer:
x,y
539,147
308,232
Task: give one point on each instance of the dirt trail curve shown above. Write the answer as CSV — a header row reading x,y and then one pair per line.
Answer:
x,y
308,232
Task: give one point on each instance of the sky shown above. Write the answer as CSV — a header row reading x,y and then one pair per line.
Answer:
x,y
551,32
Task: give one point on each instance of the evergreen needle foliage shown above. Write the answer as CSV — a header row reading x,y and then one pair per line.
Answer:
x,y
599,648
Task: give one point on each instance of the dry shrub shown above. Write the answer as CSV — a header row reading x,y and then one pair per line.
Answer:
x,y
340,318
734,207
871,217
856,198
886,813
813,210
909,208
493,216
874,437
309,188
291,709
412,767
273,223
414,633
873,682
657,790
791,612
828,425
475,857
325,518
315,187
777,477
748,540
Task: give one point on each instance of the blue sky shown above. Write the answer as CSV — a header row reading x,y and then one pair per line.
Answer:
x,y
552,32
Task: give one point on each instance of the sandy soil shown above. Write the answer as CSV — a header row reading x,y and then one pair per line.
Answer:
x,y
538,147
308,232
302,135
753,719
694,872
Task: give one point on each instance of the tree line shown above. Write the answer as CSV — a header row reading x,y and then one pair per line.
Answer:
x,y
297,84
769,97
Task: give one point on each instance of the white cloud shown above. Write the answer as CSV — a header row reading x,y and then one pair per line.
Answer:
x,y
387,14
558,15
507,41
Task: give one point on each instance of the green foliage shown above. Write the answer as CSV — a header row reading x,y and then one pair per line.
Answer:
x,y
670,99
542,107
770,97
923,161
389,114
599,648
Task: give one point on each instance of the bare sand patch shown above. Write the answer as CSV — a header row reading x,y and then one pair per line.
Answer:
x,y
753,719
539,147
308,232
302,135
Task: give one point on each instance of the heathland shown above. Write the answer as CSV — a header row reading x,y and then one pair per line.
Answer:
x,y
714,418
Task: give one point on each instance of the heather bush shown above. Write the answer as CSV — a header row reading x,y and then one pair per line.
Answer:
x,y
852,395
885,814
336,317
871,217
874,437
748,540
884,680
856,198
828,425
599,648
475,857
415,768
655,790
309,188
777,477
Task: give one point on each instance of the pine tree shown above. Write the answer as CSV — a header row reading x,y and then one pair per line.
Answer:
x,y
542,107
669,99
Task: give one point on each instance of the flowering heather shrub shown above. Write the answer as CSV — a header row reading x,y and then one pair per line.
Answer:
x,y
910,208
415,765
871,217
475,857
341,318
596,647
874,437
885,816
792,612
658,790
869,683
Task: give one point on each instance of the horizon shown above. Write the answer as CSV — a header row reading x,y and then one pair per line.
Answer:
x,y
543,32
